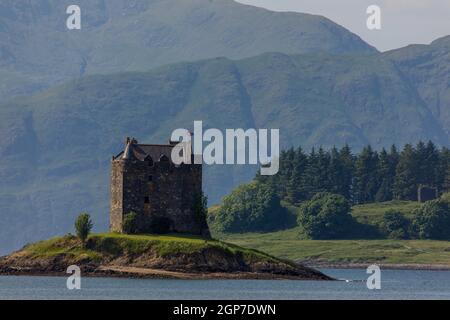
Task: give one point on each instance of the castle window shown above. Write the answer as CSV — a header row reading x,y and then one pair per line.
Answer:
x,y
147,200
149,160
150,178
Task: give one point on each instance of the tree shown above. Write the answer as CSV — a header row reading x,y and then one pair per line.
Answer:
x,y
316,173
444,167
427,161
130,223
432,220
347,161
386,172
251,207
200,209
295,191
83,226
405,185
325,216
335,174
366,177
395,225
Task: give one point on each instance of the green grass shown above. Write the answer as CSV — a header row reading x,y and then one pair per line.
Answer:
x,y
111,245
67,245
372,213
286,244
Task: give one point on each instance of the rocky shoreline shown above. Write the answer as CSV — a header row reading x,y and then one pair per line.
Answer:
x,y
144,273
152,257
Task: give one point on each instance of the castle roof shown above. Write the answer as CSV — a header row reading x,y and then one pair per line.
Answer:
x,y
141,152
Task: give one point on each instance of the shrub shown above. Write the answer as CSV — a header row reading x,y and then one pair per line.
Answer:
x,y
395,225
83,226
130,223
200,209
250,208
446,197
432,220
326,216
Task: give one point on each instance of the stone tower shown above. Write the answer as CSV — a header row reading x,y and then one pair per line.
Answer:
x,y
144,180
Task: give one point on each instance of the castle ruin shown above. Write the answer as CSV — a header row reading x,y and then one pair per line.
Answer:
x,y
144,180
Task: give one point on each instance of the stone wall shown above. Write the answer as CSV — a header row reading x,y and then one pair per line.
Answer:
x,y
116,218
158,193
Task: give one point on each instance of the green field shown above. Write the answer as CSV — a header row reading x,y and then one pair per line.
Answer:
x,y
287,244
372,213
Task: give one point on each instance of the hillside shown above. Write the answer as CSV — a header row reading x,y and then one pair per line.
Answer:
x,y
37,50
418,254
56,145
151,256
427,69
290,244
372,213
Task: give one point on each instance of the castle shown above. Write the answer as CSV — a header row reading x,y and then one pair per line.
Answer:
x,y
164,196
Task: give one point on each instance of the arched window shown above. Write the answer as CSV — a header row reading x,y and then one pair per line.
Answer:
x,y
149,160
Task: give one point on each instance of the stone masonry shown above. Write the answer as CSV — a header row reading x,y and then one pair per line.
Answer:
x,y
145,181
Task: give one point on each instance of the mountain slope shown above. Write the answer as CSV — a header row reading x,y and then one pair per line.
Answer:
x,y
37,50
56,146
427,68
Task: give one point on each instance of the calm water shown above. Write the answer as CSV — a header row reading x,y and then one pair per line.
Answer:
x,y
396,284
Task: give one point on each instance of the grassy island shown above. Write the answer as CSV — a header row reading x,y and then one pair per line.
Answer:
x,y
159,256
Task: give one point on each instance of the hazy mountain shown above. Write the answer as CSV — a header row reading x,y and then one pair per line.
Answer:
x,y
56,146
327,87
427,68
37,50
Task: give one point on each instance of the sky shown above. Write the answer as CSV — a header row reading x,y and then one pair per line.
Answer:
x,y
403,22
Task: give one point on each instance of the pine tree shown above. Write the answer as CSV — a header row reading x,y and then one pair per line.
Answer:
x,y
295,191
405,185
323,169
394,158
387,177
446,181
366,176
335,173
443,180
432,174
383,193
348,166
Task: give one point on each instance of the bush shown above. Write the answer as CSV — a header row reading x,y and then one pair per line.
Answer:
x,y
200,209
130,223
83,226
395,225
326,216
251,207
432,220
446,197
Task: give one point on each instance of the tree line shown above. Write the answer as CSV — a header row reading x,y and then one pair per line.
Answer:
x,y
370,176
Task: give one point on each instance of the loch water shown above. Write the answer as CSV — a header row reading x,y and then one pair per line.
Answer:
x,y
395,284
